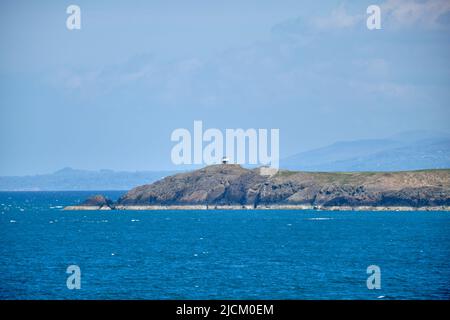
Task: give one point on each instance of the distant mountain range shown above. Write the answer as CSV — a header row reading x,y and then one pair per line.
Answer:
x,y
72,179
406,151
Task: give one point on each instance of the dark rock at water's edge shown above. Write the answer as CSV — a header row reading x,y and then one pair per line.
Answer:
x,y
98,201
231,185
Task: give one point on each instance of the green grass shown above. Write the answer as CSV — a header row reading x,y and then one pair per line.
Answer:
x,y
352,177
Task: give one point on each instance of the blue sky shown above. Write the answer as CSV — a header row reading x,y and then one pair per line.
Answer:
x,y
109,95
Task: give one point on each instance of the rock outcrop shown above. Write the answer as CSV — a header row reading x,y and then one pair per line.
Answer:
x,y
97,202
232,185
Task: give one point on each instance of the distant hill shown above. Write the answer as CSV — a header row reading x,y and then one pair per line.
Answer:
x,y
415,150
72,179
406,151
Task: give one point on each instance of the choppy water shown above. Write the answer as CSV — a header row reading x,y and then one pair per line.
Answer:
x,y
217,254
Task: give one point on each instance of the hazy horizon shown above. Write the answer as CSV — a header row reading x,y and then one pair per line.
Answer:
x,y
406,138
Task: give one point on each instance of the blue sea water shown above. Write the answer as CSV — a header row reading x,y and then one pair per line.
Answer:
x,y
217,254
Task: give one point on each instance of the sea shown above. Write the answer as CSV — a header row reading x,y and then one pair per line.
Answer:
x,y
235,254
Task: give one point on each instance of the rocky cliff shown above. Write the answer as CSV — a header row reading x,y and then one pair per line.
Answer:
x,y
232,185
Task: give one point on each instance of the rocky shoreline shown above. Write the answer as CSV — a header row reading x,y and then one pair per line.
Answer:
x,y
271,207
231,187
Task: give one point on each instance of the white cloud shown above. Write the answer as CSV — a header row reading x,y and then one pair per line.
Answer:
x,y
406,13
426,14
339,18
384,89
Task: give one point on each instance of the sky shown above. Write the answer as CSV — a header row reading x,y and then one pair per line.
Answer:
x,y
108,96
